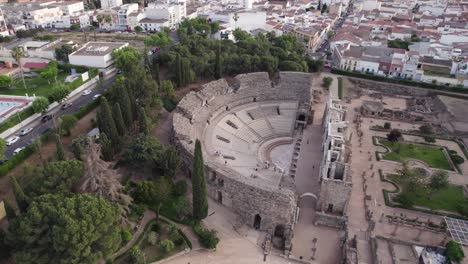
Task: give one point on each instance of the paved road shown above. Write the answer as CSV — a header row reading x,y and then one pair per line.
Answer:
x,y
39,127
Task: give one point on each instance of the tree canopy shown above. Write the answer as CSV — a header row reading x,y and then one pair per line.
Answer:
x,y
60,229
199,56
40,105
56,177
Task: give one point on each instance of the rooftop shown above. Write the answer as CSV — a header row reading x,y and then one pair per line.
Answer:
x,y
98,48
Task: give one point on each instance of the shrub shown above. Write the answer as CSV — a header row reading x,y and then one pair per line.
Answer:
x,y
326,82
454,251
156,227
405,200
394,135
180,188
167,245
429,139
135,256
152,238
208,238
457,159
387,125
426,129
126,236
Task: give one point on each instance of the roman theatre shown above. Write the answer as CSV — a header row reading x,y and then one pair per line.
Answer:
x,y
251,134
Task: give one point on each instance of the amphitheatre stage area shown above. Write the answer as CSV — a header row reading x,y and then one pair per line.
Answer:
x,y
271,147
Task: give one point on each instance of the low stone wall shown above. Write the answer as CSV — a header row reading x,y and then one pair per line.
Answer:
x,y
334,221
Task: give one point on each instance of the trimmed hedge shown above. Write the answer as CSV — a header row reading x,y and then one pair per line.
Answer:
x,y
400,81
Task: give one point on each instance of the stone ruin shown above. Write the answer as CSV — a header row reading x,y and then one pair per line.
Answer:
x,y
233,122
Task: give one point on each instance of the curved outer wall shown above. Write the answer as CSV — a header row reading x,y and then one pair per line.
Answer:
x,y
245,196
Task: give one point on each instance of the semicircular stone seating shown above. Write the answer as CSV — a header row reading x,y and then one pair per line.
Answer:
x,y
238,133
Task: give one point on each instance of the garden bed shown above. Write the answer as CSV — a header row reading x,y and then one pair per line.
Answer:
x,y
433,155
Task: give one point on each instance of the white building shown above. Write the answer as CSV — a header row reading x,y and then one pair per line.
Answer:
x,y
123,15
247,4
41,16
151,25
95,54
71,8
174,12
106,4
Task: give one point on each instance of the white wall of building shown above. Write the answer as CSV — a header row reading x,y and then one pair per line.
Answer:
x,y
106,4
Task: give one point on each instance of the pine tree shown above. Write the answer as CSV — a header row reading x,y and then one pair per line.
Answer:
x,y
9,210
125,105
118,119
60,153
106,122
133,106
199,192
21,199
178,71
143,121
106,147
217,70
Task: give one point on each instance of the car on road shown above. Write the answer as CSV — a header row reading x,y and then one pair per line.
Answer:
x,y
18,150
25,131
66,105
86,92
12,140
96,96
46,118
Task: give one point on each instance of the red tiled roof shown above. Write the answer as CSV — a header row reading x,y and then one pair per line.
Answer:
x,y
35,65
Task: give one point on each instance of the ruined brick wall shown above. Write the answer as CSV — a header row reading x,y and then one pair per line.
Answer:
x,y
336,193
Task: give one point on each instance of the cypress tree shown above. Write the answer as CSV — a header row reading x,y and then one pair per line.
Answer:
x,y
217,70
21,199
118,119
125,105
133,105
199,192
156,73
60,154
9,210
106,122
143,121
178,71
106,147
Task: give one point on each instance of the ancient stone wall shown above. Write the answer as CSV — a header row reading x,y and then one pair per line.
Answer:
x,y
335,193
329,220
274,205
388,88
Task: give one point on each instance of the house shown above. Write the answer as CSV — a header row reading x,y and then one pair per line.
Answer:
x,y
96,54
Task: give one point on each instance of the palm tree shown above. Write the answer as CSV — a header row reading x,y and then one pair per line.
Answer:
x,y
18,53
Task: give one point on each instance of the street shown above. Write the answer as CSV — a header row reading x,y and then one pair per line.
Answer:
x,y
39,127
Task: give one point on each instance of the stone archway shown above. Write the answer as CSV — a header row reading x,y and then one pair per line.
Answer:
x,y
257,221
307,199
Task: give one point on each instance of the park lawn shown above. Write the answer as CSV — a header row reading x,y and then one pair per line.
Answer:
x,y
36,85
448,199
434,156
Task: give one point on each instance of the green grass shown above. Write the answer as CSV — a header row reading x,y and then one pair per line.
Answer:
x,y
36,85
434,156
446,199
340,88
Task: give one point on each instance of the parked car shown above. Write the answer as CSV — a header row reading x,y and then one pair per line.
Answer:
x,y
12,140
46,118
86,92
96,96
18,150
66,105
25,131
